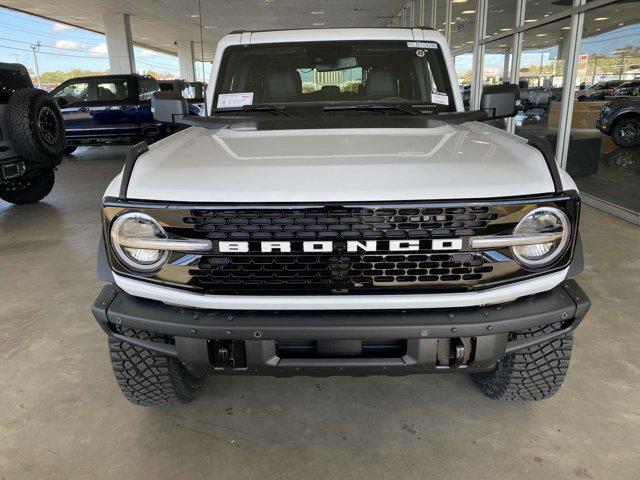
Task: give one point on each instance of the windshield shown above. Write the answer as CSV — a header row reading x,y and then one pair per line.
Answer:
x,y
411,74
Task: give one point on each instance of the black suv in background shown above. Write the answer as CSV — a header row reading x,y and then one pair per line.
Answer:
x,y
107,110
621,119
31,137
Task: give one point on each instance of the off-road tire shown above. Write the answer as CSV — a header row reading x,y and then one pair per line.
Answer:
x,y
69,149
147,378
28,189
35,127
534,373
632,136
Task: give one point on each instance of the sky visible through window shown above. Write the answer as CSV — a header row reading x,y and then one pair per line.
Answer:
x,y
66,49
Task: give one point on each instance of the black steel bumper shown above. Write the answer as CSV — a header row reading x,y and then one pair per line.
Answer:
x,y
197,337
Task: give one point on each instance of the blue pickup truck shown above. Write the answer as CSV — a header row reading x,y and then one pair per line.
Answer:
x,y
108,110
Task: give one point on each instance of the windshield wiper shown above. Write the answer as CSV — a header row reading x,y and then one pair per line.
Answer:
x,y
367,106
255,108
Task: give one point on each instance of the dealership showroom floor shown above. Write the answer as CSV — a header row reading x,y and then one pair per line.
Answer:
x,y
63,416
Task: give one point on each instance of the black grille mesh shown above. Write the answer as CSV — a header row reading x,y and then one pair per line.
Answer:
x,y
339,271
330,223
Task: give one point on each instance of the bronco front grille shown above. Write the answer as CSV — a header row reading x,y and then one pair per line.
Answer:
x,y
330,223
340,271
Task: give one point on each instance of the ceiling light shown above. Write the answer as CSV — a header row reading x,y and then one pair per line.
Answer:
x,y
505,29
143,38
193,16
318,12
600,19
566,28
502,45
458,1
468,12
318,24
541,34
531,20
621,24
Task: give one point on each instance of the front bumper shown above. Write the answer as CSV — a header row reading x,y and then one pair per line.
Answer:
x,y
252,342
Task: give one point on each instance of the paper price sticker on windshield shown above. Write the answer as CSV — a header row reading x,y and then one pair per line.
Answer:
x,y
440,98
234,100
423,45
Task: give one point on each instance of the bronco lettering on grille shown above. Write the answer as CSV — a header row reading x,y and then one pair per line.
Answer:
x,y
440,244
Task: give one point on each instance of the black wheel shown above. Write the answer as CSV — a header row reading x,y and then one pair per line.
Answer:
x,y
35,126
534,373
147,378
30,188
626,132
69,149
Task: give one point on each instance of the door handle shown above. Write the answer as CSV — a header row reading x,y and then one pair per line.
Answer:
x,y
124,107
84,109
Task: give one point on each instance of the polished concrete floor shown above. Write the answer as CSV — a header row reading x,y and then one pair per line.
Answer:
x,y
62,415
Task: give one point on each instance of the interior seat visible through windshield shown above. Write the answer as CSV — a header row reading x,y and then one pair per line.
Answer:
x,y
290,74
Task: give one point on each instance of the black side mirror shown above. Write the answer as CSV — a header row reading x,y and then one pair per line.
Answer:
x,y
500,101
62,102
168,106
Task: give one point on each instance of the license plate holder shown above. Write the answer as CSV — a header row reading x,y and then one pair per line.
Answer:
x,y
13,170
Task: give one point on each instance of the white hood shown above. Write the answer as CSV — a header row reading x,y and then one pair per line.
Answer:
x,y
448,162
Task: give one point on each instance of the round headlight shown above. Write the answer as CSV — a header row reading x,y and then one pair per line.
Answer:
x,y
134,225
538,221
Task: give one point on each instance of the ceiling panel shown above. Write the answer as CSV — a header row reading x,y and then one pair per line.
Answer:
x,y
160,23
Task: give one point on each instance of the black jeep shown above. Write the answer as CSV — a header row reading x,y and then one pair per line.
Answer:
x,y
31,137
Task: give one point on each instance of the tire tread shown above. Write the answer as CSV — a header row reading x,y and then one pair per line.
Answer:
x,y
532,374
147,378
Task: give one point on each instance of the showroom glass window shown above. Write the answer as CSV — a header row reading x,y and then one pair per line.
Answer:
x,y
501,17
496,67
541,78
536,10
464,72
441,15
463,24
609,60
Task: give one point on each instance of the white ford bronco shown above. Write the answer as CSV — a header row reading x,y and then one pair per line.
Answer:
x,y
339,213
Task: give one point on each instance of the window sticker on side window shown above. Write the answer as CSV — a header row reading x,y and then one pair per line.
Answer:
x,y
234,100
427,45
440,98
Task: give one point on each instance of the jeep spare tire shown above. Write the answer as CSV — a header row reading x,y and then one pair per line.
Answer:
x,y
35,126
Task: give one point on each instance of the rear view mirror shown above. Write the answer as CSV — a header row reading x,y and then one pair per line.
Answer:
x,y
168,107
500,101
